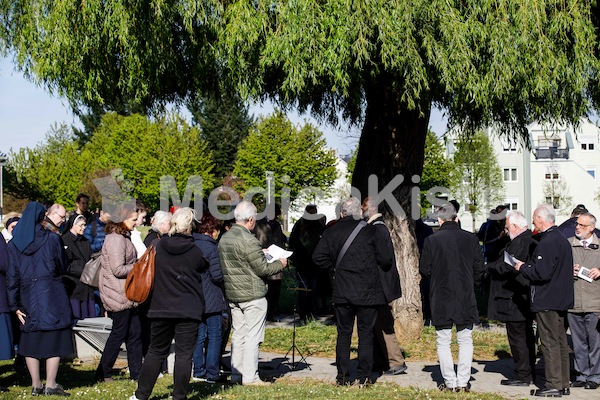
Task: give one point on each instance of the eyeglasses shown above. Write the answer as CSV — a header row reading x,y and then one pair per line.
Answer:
x,y
582,225
61,216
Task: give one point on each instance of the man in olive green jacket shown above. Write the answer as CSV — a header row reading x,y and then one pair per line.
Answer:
x,y
245,268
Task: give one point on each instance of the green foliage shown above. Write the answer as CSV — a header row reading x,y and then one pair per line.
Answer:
x,y
351,164
437,168
483,61
299,153
53,171
224,122
477,173
143,150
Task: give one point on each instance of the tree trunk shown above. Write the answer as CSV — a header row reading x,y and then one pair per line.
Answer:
x,y
392,143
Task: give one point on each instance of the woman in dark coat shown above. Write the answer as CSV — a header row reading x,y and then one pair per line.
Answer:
x,y
79,251
38,296
176,306
6,335
207,361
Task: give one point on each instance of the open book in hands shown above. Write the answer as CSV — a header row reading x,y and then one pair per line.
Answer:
x,y
584,274
275,252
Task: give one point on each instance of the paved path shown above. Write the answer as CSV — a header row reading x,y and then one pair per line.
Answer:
x,y
486,375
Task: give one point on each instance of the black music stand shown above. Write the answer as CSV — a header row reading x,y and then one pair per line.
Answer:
x,y
295,348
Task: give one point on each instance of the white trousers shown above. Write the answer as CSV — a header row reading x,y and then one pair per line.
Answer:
x,y
248,321
465,355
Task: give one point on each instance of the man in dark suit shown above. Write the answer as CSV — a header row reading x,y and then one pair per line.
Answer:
x,y
452,258
357,290
509,299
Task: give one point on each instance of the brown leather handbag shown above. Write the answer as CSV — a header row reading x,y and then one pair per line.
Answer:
x,y
140,279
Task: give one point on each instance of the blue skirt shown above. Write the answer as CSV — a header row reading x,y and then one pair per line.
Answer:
x,y
46,344
6,337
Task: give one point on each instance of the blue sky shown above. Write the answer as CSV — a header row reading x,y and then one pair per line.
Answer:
x,y
27,112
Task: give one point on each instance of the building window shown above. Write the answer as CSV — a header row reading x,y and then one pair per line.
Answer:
x,y
588,143
510,174
552,173
512,203
554,200
508,147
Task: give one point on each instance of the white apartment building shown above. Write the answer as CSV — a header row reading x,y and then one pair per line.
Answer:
x,y
561,168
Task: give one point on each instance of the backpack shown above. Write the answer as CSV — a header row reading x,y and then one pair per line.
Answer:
x,y
140,279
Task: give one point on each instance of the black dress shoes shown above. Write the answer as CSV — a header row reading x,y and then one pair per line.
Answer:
x,y
55,391
578,384
591,385
547,392
513,382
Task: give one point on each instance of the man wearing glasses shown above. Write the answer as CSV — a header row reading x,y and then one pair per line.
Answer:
x,y
509,299
583,317
56,215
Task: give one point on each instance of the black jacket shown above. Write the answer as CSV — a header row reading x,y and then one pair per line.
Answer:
x,y
452,258
212,277
3,268
390,279
178,268
509,290
356,280
79,251
550,271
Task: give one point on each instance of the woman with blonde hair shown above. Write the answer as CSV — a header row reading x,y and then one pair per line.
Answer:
x,y
176,306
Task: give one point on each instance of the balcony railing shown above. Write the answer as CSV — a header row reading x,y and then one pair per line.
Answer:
x,y
551,153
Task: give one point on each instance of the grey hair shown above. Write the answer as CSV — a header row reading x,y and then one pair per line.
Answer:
x,y
160,217
183,221
244,211
350,207
590,216
446,212
546,212
517,218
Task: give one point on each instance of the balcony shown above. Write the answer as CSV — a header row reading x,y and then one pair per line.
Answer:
x,y
550,153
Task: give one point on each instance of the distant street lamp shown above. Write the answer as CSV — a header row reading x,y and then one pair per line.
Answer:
x,y
2,164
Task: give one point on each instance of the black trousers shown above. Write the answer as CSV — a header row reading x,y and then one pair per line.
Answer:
x,y
125,328
553,339
522,346
366,317
185,333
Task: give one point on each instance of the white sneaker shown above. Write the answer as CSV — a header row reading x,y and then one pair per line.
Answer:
x,y
133,397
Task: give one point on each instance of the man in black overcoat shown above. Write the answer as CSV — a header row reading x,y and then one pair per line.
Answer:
x,y
452,258
509,299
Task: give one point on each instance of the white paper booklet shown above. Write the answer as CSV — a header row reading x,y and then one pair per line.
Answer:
x,y
584,273
275,252
510,260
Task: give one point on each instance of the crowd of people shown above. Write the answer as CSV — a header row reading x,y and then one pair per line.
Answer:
x,y
213,277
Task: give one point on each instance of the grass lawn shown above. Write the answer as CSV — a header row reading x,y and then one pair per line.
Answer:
x,y
78,380
315,338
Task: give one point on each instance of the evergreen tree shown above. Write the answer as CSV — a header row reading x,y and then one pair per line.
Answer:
x,y
224,123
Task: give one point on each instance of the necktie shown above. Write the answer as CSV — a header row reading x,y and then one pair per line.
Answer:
x,y
584,243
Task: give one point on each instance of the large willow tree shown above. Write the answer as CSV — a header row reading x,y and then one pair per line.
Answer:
x,y
382,64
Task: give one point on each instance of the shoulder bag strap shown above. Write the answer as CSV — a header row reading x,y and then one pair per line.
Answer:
x,y
349,241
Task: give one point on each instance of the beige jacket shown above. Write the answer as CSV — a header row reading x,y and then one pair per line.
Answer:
x,y
587,294
118,257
